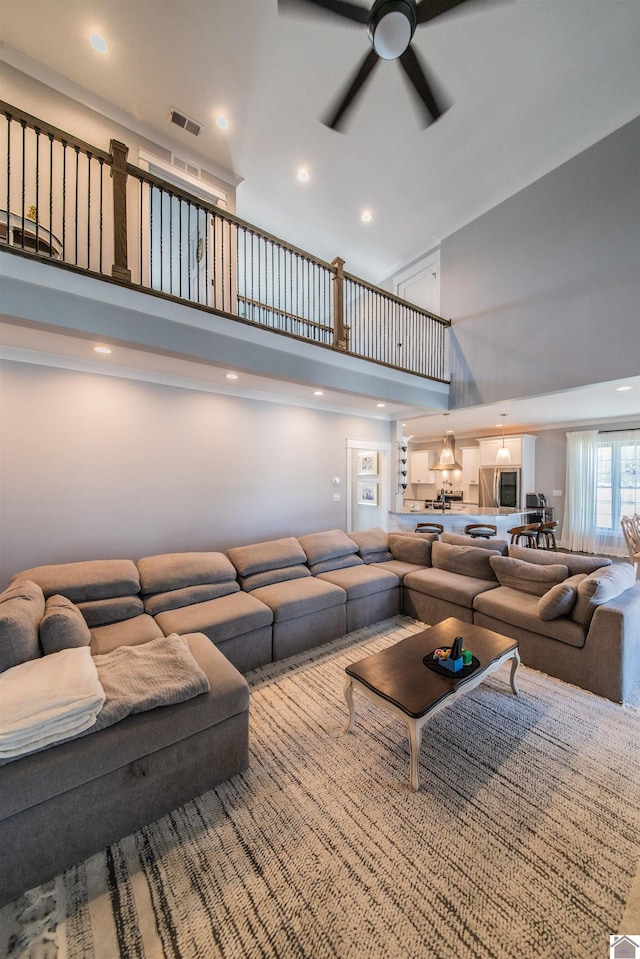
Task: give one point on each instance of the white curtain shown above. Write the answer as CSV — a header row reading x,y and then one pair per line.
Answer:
x,y
580,514
621,474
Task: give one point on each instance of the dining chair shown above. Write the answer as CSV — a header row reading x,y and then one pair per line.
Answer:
x,y
547,536
526,535
632,540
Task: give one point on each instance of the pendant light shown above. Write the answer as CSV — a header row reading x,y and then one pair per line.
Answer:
x,y
503,456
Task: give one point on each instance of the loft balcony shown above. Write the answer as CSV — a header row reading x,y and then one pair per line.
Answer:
x,y
82,225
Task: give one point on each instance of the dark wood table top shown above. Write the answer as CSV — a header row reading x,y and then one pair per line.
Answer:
x,y
399,675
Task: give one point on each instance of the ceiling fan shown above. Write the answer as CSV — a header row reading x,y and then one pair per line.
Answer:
x,y
390,28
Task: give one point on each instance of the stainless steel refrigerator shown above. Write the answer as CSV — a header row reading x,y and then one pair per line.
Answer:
x,y
499,487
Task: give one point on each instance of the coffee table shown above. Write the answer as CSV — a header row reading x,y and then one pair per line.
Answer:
x,y
397,679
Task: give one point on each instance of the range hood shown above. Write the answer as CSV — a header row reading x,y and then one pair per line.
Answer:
x,y
449,454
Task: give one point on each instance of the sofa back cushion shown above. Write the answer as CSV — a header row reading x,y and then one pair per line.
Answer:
x,y
576,563
458,539
263,564
532,578
331,549
412,549
174,580
600,587
373,545
86,581
467,560
560,599
21,609
63,626
101,612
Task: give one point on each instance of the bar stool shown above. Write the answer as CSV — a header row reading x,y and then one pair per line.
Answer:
x,y
481,530
429,528
528,534
546,535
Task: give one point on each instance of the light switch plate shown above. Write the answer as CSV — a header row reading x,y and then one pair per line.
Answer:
x,y
557,492
336,497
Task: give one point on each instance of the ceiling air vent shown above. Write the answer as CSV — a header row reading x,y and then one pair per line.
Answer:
x,y
185,122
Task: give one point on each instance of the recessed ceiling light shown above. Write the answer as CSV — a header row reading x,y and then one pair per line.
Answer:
x,y
101,349
381,406
231,376
366,217
98,43
303,175
622,389
221,122
318,393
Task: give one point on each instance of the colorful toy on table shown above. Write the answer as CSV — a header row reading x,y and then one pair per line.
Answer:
x,y
452,659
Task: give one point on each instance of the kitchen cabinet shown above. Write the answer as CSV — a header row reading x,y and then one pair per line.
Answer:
x,y
471,465
420,463
489,450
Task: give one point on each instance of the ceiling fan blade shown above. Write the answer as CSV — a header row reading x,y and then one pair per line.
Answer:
x,y
429,9
334,121
351,11
434,106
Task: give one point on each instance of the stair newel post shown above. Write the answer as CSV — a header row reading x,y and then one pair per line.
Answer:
x,y
339,328
119,152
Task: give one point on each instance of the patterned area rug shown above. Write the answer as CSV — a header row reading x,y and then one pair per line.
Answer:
x,y
523,839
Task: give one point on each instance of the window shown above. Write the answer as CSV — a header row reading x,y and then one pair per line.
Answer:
x,y
618,480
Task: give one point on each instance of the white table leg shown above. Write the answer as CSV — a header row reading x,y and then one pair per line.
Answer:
x,y
415,736
515,662
348,695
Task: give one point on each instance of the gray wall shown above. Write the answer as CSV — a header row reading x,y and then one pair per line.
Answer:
x,y
95,466
544,289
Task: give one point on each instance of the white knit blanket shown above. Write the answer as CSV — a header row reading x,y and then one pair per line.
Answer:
x,y
47,700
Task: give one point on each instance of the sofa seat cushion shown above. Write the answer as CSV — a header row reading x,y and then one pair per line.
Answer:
x,y
129,632
412,548
373,545
219,619
512,606
399,568
168,571
44,775
575,562
533,578
443,584
360,581
474,561
331,549
21,609
81,582
300,597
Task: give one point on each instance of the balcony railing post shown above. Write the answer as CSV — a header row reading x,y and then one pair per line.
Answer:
x,y
339,328
119,152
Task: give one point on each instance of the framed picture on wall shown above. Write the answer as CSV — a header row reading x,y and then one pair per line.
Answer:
x,y
368,464
367,494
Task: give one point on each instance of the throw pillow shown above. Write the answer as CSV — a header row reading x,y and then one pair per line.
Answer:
x,y
560,599
21,609
527,577
63,626
601,587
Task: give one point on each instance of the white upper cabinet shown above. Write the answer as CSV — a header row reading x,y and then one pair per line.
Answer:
x,y
489,450
471,465
420,463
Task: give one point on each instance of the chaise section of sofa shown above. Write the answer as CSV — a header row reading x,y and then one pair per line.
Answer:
x,y
373,593
107,593
306,611
199,592
67,802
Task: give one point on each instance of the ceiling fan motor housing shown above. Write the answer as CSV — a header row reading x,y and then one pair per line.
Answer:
x,y
391,27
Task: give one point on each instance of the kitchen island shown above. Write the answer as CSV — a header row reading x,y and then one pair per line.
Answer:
x,y
460,515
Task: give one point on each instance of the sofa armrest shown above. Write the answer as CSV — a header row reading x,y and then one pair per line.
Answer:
x,y
613,641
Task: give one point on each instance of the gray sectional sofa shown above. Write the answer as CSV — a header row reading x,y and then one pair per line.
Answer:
x,y
576,618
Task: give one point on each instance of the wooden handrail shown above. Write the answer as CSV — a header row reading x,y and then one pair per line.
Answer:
x,y
13,113
395,299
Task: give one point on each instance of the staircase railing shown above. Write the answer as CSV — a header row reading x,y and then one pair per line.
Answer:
x,y
91,210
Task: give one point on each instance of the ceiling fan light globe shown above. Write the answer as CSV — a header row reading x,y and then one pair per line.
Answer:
x,y
392,36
